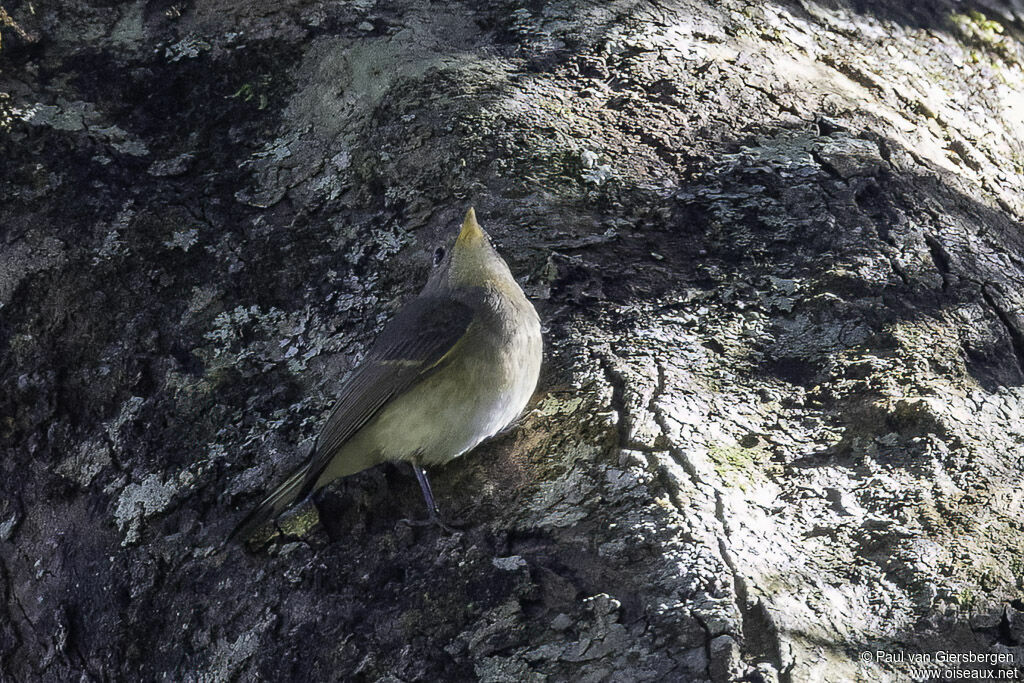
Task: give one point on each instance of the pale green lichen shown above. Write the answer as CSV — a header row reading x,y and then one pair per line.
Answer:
x,y
254,92
188,47
978,30
293,524
6,112
966,596
740,466
88,461
112,246
276,336
138,501
554,404
302,522
229,656
182,239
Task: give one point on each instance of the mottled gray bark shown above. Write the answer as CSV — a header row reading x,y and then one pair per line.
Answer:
x,y
777,250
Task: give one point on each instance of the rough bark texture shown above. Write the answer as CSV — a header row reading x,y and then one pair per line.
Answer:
x,y
776,247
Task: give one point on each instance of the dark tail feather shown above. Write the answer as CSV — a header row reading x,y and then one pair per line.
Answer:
x,y
284,495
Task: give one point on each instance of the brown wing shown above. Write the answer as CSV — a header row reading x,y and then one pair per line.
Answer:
x,y
409,348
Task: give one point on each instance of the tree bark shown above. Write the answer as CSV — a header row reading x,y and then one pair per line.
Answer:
x,y
777,251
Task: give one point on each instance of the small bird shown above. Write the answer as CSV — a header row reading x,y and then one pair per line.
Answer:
x,y
456,365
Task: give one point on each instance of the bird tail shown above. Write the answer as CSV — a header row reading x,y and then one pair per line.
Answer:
x,y
293,488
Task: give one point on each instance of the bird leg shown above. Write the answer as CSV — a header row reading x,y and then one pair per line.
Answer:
x,y
428,494
433,513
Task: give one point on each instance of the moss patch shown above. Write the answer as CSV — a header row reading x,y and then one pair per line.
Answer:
x,y
741,466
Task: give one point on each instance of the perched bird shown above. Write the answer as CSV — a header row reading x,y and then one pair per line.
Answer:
x,y
455,366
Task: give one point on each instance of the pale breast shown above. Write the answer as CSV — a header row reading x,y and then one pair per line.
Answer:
x,y
476,395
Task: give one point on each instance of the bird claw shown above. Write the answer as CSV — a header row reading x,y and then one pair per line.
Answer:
x,y
434,520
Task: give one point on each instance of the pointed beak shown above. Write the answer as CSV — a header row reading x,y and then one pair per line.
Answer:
x,y
471,231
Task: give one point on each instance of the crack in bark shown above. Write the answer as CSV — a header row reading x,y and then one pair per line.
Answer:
x,y
659,419
774,99
751,621
896,268
673,450
617,382
707,643
618,402
9,598
659,390
940,257
24,615
1014,332
826,165
753,618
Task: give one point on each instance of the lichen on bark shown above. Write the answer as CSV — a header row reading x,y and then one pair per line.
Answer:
x,y
777,252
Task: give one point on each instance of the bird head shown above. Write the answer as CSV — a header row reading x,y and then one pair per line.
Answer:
x,y
470,262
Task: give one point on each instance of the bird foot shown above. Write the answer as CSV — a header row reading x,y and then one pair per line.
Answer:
x,y
435,520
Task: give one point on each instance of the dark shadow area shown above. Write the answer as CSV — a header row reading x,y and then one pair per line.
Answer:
x,y
101,365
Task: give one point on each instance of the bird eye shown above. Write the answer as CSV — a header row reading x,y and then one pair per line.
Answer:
x,y
438,256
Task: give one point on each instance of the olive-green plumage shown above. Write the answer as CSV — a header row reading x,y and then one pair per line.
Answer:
x,y
454,366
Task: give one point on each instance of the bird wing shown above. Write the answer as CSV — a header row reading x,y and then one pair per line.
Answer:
x,y
411,346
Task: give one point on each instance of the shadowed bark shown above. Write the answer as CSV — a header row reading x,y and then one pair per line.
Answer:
x,y
776,248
